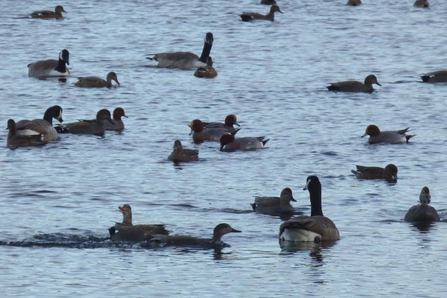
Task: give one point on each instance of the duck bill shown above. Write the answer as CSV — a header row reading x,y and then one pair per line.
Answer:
x,y
365,134
293,199
121,209
237,124
235,231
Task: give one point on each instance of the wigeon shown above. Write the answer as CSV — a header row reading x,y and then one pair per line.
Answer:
x,y
355,86
391,136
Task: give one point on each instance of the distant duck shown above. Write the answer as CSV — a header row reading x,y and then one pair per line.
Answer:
x,y
118,124
97,81
14,140
200,134
207,71
422,213
313,228
184,60
355,86
179,154
354,2
43,127
50,68
96,127
439,76
268,2
389,173
228,124
250,16
126,210
390,136
421,3
190,241
229,143
48,14
275,205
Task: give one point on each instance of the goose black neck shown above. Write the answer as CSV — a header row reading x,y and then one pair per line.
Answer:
x,y
61,67
49,116
314,188
206,48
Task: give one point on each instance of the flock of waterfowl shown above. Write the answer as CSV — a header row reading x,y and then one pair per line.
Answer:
x,y
314,228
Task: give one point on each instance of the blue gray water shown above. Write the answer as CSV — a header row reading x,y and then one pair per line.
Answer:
x,y
58,201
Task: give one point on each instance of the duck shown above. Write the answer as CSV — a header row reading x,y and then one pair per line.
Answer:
x,y
48,14
184,60
126,210
249,16
14,140
275,205
228,124
97,81
200,134
354,2
392,136
421,3
355,86
51,67
314,228
422,213
207,243
268,2
182,155
439,76
118,124
207,71
43,127
389,173
96,127
229,143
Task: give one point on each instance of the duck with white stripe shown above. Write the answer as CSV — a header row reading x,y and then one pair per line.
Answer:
x,y
51,67
184,60
313,228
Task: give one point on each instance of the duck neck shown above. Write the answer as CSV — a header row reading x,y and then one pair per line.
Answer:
x,y
127,219
315,201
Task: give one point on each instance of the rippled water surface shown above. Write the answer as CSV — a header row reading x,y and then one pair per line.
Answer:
x,y
58,201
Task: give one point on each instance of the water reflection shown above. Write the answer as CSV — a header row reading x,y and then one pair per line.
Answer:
x,y
315,249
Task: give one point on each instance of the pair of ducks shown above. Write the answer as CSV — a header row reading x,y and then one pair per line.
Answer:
x,y
58,68
157,235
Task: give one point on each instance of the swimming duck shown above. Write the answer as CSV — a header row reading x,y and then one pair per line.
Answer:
x,y
313,228
126,210
97,81
200,134
230,120
118,124
229,143
48,14
14,140
268,2
389,173
179,240
51,67
181,155
354,2
207,71
355,86
391,136
88,127
439,76
422,213
421,3
249,16
275,205
43,127
184,60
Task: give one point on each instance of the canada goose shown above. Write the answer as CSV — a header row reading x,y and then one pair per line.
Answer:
x,y
355,86
43,126
422,213
229,143
184,60
313,228
207,71
88,127
179,154
48,14
391,136
50,68
97,81
14,140
180,240
275,205
389,173
249,16
439,76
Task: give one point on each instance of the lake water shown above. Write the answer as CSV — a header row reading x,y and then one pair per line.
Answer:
x,y
59,200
